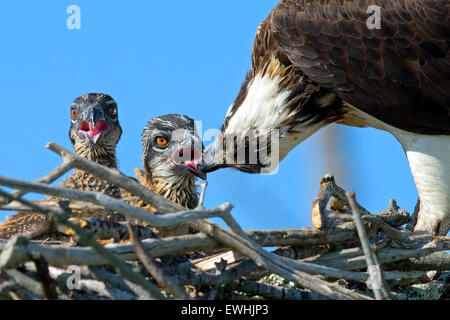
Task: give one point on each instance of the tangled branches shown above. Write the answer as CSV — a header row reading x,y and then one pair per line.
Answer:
x,y
216,263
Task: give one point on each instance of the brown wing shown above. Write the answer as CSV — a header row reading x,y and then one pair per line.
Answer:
x,y
25,222
398,74
84,181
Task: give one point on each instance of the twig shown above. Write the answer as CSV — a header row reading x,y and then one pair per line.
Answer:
x,y
270,292
373,268
116,281
202,194
230,279
116,178
119,264
393,215
117,205
219,237
394,234
384,287
10,289
96,286
43,276
354,259
329,189
436,261
156,271
6,288
275,264
200,225
27,282
350,259
65,167
162,205
240,239
191,243
103,283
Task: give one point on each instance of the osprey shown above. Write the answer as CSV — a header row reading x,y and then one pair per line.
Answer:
x,y
172,151
94,133
316,62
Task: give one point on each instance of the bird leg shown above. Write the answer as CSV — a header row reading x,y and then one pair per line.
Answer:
x,y
428,158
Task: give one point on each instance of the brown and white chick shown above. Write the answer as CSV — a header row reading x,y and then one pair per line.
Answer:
x,y
172,152
94,133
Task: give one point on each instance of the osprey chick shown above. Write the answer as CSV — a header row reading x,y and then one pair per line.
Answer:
x,y
94,133
172,152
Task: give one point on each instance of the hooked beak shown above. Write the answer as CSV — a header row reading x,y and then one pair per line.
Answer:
x,y
189,159
94,125
208,164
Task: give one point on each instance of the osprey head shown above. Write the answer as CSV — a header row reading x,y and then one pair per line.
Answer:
x,y
172,148
269,117
95,123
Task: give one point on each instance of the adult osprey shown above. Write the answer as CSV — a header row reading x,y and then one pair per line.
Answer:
x,y
316,62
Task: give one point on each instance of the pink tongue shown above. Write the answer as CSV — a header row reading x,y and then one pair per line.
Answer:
x,y
95,132
192,164
98,129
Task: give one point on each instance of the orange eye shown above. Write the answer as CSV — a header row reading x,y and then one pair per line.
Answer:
x,y
161,141
113,112
74,113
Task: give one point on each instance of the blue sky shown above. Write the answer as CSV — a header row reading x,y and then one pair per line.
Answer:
x,y
158,57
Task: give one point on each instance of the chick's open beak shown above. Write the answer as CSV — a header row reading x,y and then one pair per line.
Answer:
x,y
189,158
94,124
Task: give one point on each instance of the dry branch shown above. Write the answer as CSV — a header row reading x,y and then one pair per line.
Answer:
x,y
277,264
436,261
98,287
238,240
375,271
328,190
316,249
252,288
43,276
26,282
105,201
85,238
354,259
156,271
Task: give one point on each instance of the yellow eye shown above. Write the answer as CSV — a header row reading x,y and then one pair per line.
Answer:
x,y
161,141
74,113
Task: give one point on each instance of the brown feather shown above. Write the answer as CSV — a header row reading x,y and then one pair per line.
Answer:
x,y
398,74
